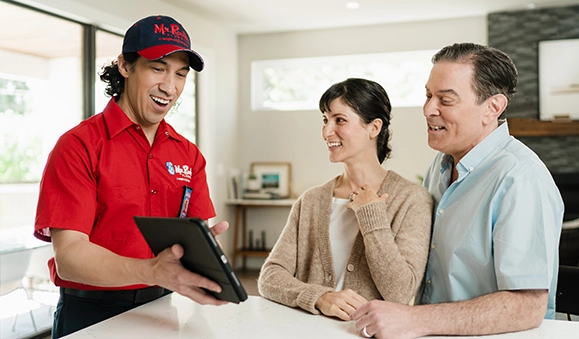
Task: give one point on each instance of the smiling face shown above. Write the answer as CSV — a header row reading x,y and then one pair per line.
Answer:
x,y
152,87
456,123
348,138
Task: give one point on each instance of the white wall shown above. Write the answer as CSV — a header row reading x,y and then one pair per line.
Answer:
x,y
218,82
296,136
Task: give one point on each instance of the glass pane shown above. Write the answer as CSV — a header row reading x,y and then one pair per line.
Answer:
x,y
183,115
297,84
40,89
108,47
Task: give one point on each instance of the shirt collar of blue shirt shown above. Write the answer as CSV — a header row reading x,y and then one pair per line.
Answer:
x,y
476,155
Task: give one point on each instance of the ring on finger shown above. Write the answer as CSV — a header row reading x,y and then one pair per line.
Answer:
x,y
352,196
365,333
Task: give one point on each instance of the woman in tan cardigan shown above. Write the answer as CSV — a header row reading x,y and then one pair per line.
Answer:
x,y
362,235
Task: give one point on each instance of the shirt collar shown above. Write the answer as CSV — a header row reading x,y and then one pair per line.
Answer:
x,y
476,155
115,118
479,152
446,162
116,121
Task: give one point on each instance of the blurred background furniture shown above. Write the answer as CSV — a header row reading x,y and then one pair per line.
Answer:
x,y
567,299
242,246
39,285
568,184
25,287
37,272
14,265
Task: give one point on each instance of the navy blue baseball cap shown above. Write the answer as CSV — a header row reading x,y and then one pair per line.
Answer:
x,y
157,36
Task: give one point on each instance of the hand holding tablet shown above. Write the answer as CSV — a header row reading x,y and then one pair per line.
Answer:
x,y
202,253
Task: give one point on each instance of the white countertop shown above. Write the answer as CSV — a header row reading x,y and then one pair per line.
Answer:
x,y
175,316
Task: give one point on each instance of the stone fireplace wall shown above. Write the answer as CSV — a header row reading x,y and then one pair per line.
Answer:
x,y
517,33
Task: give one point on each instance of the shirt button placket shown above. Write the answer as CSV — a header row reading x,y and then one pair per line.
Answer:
x,y
153,191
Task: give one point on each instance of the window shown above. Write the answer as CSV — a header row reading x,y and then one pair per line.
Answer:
x,y
40,89
108,47
297,84
183,116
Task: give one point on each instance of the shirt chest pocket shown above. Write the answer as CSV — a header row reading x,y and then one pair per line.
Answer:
x,y
173,200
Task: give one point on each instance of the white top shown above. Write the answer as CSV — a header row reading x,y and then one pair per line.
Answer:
x,y
174,316
343,231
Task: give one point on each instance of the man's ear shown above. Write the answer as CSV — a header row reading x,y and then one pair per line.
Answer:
x,y
496,105
123,66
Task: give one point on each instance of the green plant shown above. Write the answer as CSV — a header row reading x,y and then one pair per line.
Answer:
x,y
420,178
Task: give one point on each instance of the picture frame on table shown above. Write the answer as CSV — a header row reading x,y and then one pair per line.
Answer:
x,y
274,178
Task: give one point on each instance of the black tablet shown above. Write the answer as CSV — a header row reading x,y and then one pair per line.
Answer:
x,y
202,253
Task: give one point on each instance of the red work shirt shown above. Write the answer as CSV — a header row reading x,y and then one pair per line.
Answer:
x,y
103,172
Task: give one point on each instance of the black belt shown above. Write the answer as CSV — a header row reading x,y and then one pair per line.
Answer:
x,y
137,296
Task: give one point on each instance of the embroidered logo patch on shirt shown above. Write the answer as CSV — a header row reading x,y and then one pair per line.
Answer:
x,y
184,171
170,167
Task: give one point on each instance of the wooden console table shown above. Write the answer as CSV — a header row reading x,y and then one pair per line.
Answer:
x,y
240,225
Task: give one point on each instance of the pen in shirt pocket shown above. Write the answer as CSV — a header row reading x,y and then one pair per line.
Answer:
x,y
185,201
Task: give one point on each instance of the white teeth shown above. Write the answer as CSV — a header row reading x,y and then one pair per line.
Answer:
x,y
435,128
334,144
161,101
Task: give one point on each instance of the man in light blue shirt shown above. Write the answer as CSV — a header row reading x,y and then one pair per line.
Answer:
x,y
493,260
496,227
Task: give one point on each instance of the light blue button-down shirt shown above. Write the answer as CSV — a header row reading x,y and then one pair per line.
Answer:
x,y
497,226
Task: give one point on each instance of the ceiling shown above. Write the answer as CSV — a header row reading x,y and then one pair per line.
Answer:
x,y
261,16
249,16
64,40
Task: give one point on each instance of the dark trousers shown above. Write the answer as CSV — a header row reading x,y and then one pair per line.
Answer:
x,y
75,313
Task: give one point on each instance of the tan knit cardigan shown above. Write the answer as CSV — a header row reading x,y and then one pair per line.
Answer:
x,y
387,260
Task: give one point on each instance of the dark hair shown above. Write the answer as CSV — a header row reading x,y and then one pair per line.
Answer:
x,y
115,81
493,71
367,99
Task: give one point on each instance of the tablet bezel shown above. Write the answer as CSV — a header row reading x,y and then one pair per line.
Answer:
x,y
202,253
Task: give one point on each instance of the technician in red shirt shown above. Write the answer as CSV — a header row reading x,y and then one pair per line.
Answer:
x,y
124,162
